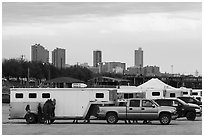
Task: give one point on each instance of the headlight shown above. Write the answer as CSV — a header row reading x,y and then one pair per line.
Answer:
x,y
197,110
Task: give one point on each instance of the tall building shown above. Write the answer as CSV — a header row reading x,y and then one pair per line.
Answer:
x,y
139,58
39,53
97,57
58,58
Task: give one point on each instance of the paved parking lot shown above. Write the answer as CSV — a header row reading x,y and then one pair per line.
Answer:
x,y
99,127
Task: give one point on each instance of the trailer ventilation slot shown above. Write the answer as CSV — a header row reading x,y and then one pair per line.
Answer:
x,y
45,95
155,93
32,95
19,95
99,95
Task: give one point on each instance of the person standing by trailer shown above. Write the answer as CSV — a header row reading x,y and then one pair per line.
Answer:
x,y
40,114
48,111
27,112
53,107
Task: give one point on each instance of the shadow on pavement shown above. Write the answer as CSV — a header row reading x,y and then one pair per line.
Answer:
x,y
82,123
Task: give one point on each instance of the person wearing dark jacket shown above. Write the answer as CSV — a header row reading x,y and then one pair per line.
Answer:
x,y
40,114
27,109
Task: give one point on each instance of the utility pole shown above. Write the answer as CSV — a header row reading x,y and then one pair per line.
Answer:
x,y
28,84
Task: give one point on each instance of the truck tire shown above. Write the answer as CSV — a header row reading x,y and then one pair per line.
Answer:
x,y
112,118
31,118
191,116
165,119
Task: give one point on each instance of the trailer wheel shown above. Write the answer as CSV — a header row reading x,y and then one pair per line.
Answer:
x,y
30,118
165,119
191,116
111,118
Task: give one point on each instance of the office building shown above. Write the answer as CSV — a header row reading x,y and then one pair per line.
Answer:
x,y
112,67
145,71
139,58
39,53
58,58
151,71
97,57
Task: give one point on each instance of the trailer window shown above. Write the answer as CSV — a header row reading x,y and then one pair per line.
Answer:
x,y
99,95
19,95
172,95
128,95
125,96
45,95
195,93
32,95
185,93
155,93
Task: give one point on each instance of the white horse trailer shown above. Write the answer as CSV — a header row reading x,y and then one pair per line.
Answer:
x,y
197,93
173,93
140,93
186,91
71,103
153,93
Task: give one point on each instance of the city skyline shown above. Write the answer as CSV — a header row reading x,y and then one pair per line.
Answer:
x,y
169,33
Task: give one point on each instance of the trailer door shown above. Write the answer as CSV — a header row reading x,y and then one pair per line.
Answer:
x,y
82,103
66,102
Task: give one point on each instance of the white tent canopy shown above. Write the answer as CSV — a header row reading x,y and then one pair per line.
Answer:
x,y
155,83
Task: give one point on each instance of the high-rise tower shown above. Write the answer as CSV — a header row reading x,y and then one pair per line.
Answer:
x,y
39,53
97,57
139,58
58,58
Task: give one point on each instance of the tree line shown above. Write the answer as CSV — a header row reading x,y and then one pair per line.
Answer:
x,y
18,68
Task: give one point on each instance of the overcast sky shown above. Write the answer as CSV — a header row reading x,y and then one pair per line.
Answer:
x,y
169,33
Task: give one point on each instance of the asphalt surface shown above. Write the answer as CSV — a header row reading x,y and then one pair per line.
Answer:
x,y
180,126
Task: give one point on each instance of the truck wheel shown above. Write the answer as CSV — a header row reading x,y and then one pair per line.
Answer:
x,y
165,119
191,116
111,118
30,118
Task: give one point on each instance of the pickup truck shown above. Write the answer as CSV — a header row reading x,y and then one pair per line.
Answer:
x,y
137,109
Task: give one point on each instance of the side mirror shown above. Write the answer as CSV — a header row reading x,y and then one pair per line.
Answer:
x,y
153,106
